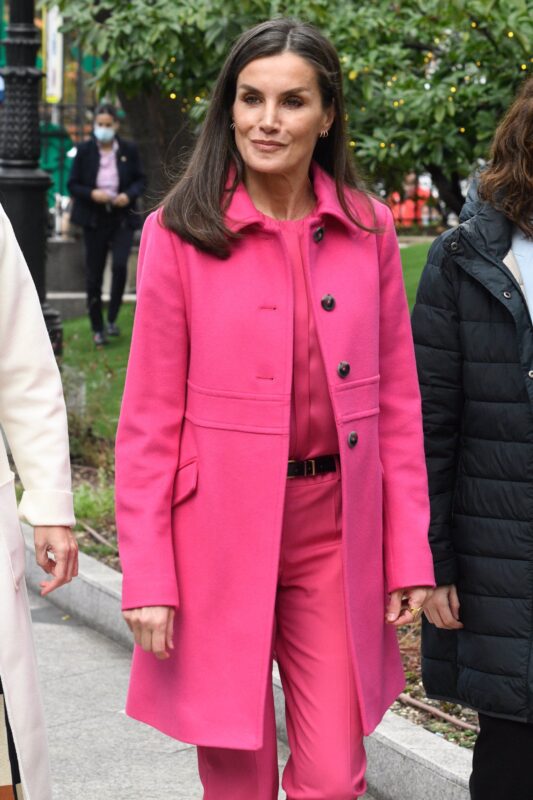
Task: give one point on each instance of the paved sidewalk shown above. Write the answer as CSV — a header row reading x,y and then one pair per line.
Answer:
x,y
97,753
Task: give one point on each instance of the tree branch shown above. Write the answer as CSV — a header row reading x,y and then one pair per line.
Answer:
x,y
449,187
423,48
436,712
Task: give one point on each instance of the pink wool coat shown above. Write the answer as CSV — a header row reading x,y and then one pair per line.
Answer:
x,y
202,450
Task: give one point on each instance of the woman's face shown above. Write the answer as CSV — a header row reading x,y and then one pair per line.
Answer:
x,y
278,114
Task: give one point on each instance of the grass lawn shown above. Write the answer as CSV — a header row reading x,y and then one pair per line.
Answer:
x,y
105,369
413,260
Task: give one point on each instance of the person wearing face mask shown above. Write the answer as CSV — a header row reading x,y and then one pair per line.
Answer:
x,y
105,182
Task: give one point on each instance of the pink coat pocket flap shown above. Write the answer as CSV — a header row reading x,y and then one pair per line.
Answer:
x,y
185,482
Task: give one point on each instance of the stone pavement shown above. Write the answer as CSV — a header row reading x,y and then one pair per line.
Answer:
x,y
97,753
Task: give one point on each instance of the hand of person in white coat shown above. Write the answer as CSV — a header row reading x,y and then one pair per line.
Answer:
x,y
56,552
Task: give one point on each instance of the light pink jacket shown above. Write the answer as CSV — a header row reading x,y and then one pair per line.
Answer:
x,y
202,452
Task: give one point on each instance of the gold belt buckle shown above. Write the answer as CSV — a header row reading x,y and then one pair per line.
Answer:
x,y
309,467
311,461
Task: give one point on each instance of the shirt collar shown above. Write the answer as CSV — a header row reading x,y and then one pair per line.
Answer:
x,y
114,149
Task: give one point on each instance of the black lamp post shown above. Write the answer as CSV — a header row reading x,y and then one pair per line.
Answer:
x,y
23,186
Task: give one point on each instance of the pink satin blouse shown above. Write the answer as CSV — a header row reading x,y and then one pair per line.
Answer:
x,y
312,432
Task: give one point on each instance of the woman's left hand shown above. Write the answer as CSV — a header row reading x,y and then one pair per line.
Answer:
x,y
405,605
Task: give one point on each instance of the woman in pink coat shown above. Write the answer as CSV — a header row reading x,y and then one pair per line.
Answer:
x,y
271,486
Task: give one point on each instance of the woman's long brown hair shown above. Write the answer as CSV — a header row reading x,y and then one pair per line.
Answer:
x,y
507,183
194,208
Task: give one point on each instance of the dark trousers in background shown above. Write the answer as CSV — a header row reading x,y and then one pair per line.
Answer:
x,y
502,765
113,235
10,784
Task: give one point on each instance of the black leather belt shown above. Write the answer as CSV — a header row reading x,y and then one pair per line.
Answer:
x,y
312,466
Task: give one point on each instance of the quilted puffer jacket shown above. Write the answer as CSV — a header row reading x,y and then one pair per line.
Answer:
x,y
474,345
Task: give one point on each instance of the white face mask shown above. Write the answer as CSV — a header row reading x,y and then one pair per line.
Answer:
x,y
104,135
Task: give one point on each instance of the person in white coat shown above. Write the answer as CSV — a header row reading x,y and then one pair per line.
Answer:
x,y
33,418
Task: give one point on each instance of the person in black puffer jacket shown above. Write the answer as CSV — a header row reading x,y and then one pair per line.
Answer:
x,y
474,345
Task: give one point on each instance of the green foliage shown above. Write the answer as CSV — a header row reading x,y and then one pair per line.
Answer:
x,y
88,448
425,83
426,86
94,505
175,45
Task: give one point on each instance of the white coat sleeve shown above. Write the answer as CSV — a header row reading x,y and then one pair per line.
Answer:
x,y
32,407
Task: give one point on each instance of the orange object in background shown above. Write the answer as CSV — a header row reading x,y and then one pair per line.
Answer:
x,y
412,208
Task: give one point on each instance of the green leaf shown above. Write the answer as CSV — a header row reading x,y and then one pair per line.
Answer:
x,y
440,113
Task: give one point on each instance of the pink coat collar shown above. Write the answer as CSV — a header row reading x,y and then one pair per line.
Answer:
x,y
242,213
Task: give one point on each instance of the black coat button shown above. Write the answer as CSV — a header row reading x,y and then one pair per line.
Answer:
x,y
343,369
454,246
353,438
318,235
328,302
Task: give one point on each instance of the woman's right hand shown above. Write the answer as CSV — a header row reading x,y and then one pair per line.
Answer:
x,y
442,608
152,628
56,552
99,196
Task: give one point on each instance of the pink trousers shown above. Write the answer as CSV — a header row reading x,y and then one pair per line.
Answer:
x,y
327,758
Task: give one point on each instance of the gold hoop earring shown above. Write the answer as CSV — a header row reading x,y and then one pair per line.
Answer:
x,y
324,134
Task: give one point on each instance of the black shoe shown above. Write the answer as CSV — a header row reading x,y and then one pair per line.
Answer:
x,y
99,339
112,329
